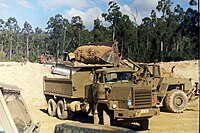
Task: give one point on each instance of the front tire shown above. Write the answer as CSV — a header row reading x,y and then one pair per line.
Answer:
x,y
176,101
144,124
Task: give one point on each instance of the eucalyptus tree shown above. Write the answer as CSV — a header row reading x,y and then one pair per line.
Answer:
x,y
1,33
126,34
77,24
39,43
123,29
100,33
192,16
164,6
12,26
113,16
27,33
57,27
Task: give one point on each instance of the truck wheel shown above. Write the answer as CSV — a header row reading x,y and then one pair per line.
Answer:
x,y
61,112
144,124
176,101
51,107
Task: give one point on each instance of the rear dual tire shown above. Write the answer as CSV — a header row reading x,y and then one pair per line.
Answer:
x,y
61,112
51,107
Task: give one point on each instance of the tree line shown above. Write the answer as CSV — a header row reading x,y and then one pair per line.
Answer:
x,y
173,35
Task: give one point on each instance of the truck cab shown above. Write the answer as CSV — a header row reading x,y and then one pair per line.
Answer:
x,y
118,97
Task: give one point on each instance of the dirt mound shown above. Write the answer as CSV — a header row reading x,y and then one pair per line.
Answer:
x,y
182,69
27,77
90,54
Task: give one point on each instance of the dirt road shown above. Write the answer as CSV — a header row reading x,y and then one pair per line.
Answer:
x,y
29,79
186,122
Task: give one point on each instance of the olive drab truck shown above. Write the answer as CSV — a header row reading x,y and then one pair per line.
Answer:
x,y
108,93
104,89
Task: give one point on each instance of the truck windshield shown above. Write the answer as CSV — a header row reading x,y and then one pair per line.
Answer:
x,y
18,111
115,77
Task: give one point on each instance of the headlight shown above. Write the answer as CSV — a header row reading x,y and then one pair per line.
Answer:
x,y
114,106
129,102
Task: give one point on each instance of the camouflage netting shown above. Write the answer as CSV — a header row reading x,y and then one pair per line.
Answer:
x,y
90,53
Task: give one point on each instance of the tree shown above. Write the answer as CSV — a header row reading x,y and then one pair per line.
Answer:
x,y
1,33
12,27
113,16
100,33
164,7
57,28
39,43
27,31
77,23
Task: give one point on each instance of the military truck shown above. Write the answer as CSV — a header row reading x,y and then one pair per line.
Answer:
x,y
173,94
15,117
110,94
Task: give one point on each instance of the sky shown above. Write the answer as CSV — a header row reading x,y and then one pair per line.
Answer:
x,y
38,12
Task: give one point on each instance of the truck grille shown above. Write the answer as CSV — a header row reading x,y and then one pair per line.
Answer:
x,y
142,99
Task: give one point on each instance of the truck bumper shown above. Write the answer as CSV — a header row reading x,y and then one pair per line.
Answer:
x,y
137,113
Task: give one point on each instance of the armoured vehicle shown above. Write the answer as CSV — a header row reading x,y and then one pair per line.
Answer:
x,y
173,94
15,117
110,94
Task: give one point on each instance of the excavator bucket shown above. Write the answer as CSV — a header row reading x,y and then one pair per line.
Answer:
x,y
193,94
112,56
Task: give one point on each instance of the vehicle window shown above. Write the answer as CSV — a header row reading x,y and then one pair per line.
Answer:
x,y
99,78
111,77
18,111
150,71
114,77
156,71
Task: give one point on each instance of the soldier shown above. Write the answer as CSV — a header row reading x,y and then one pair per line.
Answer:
x,y
24,60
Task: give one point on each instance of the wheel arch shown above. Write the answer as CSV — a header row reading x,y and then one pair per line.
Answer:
x,y
176,86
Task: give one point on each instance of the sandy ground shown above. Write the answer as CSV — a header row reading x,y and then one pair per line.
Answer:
x,y
29,78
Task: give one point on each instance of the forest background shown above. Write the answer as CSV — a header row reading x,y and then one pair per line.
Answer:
x,y
173,35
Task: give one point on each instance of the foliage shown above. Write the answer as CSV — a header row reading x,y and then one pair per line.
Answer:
x,y
172,36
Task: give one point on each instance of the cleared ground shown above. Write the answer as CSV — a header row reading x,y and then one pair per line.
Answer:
x,y
29,78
